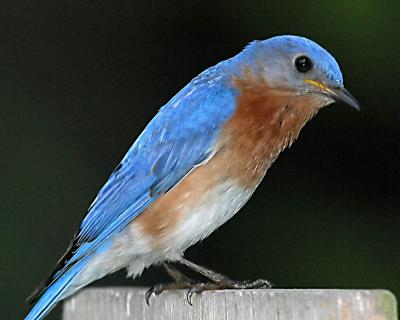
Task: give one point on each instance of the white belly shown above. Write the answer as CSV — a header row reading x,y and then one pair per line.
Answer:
x,y
135,250
216,207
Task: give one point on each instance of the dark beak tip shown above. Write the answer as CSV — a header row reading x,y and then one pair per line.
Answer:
x,y
356,105
342,95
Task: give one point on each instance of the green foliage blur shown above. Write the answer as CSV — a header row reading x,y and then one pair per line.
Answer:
x,y
79,80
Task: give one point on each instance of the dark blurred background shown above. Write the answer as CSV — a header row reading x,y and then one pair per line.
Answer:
x,y
79,80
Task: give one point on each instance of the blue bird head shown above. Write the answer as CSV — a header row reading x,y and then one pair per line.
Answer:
x,y
300,65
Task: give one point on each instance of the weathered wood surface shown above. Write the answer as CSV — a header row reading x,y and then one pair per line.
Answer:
x,y
270,304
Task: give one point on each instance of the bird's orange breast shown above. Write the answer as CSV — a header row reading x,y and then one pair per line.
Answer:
x,y
266,120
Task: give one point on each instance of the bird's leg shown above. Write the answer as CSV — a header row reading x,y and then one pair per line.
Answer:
x,y
181,281
226,282
176,275
219,281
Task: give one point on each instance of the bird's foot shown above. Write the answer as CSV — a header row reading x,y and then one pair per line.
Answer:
x,y
199,287
181,281
226,283
161,287
217,281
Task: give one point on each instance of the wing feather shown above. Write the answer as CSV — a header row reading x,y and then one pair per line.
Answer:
x,y
181,136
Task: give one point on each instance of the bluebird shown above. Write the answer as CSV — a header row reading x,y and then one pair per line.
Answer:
x,y
195,165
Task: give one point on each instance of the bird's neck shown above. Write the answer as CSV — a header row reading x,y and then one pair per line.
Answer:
x,y
264,123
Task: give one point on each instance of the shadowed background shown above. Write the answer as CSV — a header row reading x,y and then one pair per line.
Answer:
x,y
79,80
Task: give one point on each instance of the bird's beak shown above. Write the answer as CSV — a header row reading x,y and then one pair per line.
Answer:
x,y
337,93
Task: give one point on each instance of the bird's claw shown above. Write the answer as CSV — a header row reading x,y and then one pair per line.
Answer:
x,y
156,290
226,284
199,287
161,287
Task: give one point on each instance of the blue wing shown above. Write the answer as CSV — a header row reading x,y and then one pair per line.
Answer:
x,y
180,136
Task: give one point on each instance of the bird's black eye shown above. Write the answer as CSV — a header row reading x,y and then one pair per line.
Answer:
x,y
303,64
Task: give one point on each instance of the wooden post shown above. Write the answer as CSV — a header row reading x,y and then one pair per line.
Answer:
x,y
269,304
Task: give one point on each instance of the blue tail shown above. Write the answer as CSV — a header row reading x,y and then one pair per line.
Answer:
x,y
54,293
